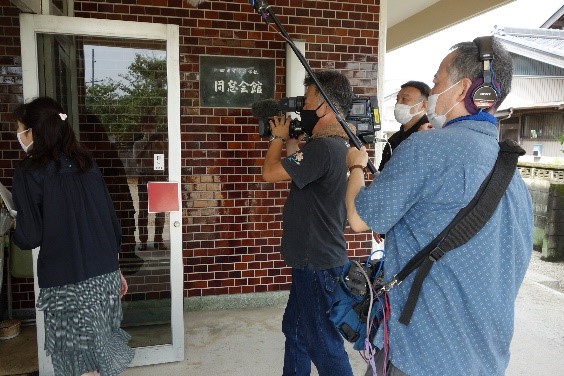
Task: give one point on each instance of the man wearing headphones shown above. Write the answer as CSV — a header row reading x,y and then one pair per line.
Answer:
x,y
463,321
409,111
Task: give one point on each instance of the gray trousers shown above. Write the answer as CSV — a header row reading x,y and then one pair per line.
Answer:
x,y
379,361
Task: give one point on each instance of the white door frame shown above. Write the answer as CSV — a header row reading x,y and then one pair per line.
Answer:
x,y
30,26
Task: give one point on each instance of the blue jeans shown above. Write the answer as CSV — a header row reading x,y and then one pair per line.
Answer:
x,y
310,336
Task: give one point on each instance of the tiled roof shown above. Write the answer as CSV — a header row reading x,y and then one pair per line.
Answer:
x,y
556,21
546,45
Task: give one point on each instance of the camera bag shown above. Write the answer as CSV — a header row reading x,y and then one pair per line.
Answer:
x,y
356,309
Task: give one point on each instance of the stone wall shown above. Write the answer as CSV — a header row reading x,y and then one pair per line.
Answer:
x,y
546,185
553,244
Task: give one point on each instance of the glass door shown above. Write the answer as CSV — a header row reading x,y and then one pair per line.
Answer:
x,y
119,82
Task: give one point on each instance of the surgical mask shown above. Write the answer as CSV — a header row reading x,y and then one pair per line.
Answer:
x,y
24,146
437,121
402,112
309,119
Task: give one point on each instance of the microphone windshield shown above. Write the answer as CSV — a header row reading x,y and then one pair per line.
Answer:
x,y
265,108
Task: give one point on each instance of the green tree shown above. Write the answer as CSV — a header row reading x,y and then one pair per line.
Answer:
x,y
144,87
103,100
122,104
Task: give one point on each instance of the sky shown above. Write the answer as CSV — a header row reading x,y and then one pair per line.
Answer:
x,y
111,62
420,60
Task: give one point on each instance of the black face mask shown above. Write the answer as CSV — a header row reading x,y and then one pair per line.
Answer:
x,y
309,119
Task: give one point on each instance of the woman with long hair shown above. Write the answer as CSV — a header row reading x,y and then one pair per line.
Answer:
x,y
64,207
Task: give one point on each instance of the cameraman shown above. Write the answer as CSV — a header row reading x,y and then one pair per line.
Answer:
x,y
313,241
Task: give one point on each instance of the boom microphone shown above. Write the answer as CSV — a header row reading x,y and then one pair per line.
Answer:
x,y
265,109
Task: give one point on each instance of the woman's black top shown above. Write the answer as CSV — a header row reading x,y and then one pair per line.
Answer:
x,y
70,215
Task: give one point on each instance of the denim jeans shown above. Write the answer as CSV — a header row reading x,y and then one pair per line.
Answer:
x,y
310,336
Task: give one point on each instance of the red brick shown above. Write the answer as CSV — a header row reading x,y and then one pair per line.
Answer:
x,y
231,223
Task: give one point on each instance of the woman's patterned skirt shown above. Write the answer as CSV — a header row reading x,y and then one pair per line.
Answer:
x,y
82,327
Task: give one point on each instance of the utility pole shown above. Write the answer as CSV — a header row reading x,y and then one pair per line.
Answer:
x,y
92,82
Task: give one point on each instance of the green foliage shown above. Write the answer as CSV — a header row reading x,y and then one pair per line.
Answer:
x,y
123,105
102,99
561,139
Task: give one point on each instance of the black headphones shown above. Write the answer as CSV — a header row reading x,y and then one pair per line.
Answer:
x,y
484,92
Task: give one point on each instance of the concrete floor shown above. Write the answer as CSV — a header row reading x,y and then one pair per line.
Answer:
x,y
248,341
242,342
237,342
19,355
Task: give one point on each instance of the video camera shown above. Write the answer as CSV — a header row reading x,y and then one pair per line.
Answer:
x,y
363,114
265,109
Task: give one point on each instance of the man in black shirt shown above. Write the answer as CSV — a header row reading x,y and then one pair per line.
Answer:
x,y
410,109
313,241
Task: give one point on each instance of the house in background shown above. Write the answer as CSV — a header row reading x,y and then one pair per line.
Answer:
x,y
533,113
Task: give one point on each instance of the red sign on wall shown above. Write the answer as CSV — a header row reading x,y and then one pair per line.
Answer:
x,y
163,196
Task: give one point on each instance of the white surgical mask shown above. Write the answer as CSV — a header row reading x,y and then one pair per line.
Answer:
x,y
437,121
402,112
24,146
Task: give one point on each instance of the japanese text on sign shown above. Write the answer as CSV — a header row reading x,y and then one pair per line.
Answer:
x,y
227,81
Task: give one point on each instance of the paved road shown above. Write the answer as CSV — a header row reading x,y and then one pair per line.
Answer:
x,y
538,343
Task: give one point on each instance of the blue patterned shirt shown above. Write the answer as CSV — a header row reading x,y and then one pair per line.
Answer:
x,y
463,321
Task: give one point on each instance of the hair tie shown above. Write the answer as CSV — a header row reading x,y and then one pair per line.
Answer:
x,y
63,116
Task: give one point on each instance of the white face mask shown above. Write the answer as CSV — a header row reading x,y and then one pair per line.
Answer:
x,y
437,121
24,146
402,112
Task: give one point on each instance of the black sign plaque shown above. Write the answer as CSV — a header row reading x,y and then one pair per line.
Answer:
x,y
227,81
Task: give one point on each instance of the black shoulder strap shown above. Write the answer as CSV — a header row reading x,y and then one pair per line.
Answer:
x,y
465,225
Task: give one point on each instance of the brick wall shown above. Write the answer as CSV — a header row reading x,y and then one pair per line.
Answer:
x,y
10,89
232,219
10,150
